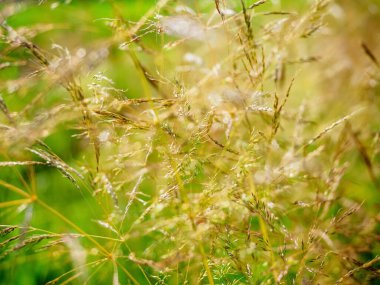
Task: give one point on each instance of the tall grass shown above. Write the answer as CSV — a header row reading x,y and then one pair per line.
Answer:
x,y
189,142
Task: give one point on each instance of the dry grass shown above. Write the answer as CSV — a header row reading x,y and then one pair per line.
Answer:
x,y
246,152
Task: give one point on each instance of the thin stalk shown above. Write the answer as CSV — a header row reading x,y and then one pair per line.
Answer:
x,y
14,189
14,203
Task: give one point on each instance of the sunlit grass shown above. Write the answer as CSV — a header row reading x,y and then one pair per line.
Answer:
x,y
189,142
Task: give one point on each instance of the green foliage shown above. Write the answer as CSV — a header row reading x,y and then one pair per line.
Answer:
x,y
189,142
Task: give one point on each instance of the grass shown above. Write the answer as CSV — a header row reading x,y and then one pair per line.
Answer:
x,y
189,142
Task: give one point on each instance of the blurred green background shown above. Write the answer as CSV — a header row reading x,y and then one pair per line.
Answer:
x,y
82,25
